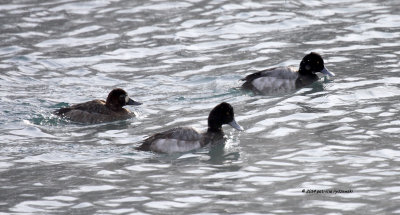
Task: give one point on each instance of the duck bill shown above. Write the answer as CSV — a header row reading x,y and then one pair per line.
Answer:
x,y
132,102
325,71
235,125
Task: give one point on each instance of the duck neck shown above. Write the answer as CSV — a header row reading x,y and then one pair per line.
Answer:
x,y
214,129
303,72
308,74
214,126
214,122
114,107
305,79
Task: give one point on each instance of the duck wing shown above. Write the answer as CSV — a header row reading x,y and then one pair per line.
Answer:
x,y
180,139
95,106
89,112
271,80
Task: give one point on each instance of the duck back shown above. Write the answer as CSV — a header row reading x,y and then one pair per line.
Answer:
x,y
274,80
180,139
92,112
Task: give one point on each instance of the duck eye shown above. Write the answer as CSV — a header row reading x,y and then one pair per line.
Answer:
x,y
317,62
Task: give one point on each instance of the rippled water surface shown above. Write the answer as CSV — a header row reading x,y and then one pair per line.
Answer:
x,y
181,59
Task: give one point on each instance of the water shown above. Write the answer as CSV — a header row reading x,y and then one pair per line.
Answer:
x,y
181,59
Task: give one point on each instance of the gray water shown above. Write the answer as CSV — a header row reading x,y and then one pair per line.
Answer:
x,y
181,59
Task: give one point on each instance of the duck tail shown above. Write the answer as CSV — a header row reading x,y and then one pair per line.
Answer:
x,y
62,111
144,147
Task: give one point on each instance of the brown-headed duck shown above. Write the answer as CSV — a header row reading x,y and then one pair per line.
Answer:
x,y
98,111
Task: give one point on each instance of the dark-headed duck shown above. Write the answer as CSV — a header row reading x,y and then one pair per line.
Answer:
x,y
183,139
285,79
98,111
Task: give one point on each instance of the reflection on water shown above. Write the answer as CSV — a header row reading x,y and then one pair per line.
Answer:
x,y
181,59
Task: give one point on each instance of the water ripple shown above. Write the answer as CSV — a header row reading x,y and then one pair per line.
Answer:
x,y
180,59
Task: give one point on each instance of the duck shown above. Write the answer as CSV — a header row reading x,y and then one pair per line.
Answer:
x,y
184,139
286,79
99,111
